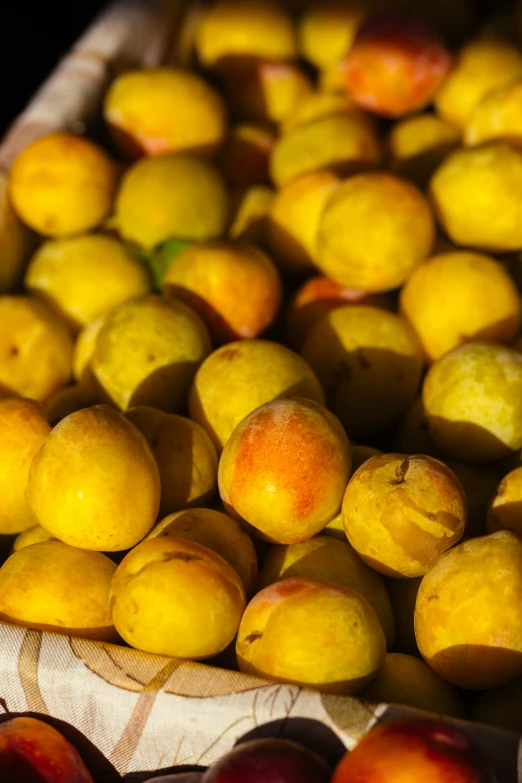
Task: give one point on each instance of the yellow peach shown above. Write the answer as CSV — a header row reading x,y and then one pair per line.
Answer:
x,y
468,614
294,219
369,362
341,143
496,117
153,111
59,588
186,457
317,297
85,277
402,512
250,221
233,286
218,532
35,348
483,65
23,429
396,65
457,297
419,144
332,561
228,385
327,30
504,512
172,596
284,469
33,535
267,91
479,482
318,105
147,352
94,483
16,242
403,594
311,633
62,184
160,197
473,403
231,31
477,194
408,681
374,231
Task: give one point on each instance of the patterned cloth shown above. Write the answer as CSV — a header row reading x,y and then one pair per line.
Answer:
x,y
138,713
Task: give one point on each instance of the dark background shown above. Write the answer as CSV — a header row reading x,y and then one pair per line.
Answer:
x,y
34,37
36,34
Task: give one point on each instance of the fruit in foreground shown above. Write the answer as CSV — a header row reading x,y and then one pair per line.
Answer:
x,y
147,352
85,277
329,560
59,588
218,532
311,633
270,761
285,468
409,750
69,490
228,385
369,362
32,751
172,596
233,286
400,512
480,578
463,393
186,457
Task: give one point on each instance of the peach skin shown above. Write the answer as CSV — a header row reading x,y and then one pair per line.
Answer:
x,y
285,468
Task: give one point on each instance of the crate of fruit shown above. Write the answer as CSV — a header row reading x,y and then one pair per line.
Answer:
x,y
261,390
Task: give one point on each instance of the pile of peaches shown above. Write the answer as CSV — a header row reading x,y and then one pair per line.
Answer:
x,y
260,357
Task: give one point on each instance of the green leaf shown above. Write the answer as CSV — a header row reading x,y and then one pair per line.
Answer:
x,y
157,261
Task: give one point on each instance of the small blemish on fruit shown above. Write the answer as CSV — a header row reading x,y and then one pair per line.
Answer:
x,y
253,637
184,556
433,598
14,350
